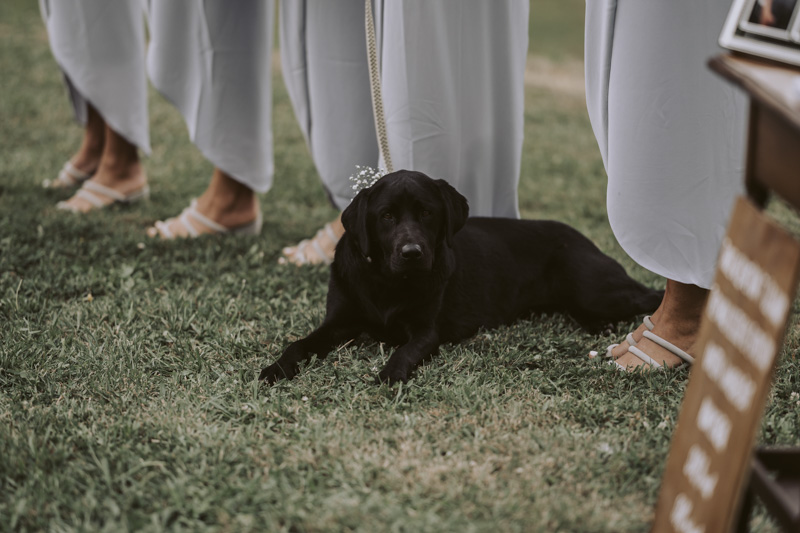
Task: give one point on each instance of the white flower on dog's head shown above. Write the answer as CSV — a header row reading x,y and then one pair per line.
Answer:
x,y
365,177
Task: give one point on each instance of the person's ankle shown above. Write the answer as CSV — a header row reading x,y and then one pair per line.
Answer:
x,y
124,179
120,164
87,159
230,210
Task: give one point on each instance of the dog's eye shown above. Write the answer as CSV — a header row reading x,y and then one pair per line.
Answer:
x,y
425,213
387,216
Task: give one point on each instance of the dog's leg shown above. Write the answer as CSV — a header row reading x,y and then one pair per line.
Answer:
x,y
320,342
422,343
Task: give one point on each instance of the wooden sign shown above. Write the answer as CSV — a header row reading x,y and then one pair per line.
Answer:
x,y
741,333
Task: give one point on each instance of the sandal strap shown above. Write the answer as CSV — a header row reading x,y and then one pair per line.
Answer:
x,y
68,176
670,347
90,197
193,213
163,228
643,356
630,339
648,323
331,234
321,253
183,218
105,191
619,366
300,252
610,347
190,217
75,173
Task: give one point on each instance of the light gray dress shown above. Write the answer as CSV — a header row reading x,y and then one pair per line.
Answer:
x,y
100,47
670,131
212,58
324,63
453,89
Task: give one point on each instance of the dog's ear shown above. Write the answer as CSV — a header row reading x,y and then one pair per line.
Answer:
x,y
354,220
456,210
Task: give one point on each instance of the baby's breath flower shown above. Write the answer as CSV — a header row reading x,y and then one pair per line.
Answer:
x,y
365,177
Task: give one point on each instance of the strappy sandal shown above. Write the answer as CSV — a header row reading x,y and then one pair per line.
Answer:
x,y
190,219
685,357
68,177
100,196
299,254
648,323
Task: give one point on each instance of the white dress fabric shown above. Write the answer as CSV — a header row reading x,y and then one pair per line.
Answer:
x,y
670,131
324,63
453,90
212,60
100,47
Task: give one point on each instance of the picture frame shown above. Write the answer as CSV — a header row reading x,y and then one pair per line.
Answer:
x,y
764,28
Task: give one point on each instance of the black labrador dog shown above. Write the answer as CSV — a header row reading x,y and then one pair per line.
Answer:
x,y
411,270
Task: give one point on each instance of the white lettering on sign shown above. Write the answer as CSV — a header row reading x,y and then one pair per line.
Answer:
x,y
737,327
735,384
746,276
714,423
680,517
714,361
696,470
749,279
774,303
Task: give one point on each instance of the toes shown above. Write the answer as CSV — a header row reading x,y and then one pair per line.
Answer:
x,y
629,361
75,204
620,350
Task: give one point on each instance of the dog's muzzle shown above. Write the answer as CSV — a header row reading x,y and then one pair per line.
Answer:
x,y
409,258
411,251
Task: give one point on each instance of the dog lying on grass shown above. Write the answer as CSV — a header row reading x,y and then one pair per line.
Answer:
x,y
413,271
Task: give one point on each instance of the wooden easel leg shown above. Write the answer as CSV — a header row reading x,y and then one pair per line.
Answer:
x,y
746,509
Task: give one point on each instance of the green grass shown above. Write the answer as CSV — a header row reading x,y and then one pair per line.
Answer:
x,y
556,28
128,398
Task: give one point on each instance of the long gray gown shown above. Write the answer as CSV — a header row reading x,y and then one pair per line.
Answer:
x,y
211,58
100,47
452,82
671,132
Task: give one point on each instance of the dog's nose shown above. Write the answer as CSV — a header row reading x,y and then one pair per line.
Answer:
x,y
411,251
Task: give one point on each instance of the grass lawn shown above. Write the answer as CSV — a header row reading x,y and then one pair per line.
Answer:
x,y
128,398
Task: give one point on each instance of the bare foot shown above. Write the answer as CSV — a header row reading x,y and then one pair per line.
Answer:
x,y
87,159
226,204
119,170
677,320
617,350
88,156
317,250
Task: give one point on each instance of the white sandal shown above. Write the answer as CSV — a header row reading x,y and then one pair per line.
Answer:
x,y
191,216
68,177
648,323
100,196
298,254
685,357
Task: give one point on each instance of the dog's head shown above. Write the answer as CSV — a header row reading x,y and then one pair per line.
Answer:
x,y
403,218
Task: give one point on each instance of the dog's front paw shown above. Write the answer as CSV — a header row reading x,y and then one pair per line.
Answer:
x,y
392,374
275,372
